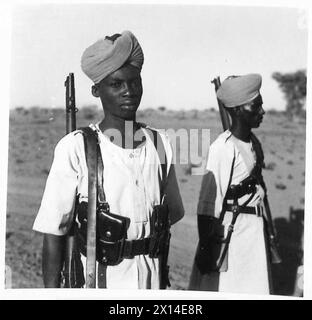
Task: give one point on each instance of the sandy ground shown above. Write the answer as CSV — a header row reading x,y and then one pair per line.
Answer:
x,y
33,135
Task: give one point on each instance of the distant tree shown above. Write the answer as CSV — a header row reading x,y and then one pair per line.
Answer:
x,y
294,87
162,108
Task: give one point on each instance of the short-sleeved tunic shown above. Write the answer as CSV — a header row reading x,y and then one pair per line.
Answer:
x,y
247,259
131,186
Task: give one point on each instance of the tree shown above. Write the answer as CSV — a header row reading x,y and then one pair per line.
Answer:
x,y
294,87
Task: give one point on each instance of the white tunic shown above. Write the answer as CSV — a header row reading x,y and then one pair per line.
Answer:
x,y
247,261
131,186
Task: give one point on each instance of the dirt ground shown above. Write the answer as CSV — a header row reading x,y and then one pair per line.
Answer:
x,y
35,132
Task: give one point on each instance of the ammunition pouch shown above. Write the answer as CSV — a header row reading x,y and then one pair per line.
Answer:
x,y
160,241
112,245
111,234
247,186
160,227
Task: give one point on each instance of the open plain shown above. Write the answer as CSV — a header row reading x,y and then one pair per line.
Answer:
x,y
33,134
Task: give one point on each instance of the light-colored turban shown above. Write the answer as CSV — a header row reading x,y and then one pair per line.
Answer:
x,y
239,90
109,54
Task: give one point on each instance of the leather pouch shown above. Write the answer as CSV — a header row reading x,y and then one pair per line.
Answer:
x,y
111,233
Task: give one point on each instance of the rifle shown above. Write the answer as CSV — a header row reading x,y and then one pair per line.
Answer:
x,y
73,267
70,103
225,119
73,270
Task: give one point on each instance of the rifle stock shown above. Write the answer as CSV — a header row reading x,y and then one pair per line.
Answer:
x,y
225,119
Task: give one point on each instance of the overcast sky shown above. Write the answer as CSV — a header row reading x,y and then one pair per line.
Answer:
x,y
185,46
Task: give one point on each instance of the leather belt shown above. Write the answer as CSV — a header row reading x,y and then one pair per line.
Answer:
x,y
135,247
257,210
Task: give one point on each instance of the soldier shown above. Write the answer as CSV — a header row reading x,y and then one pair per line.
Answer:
x,y
231,255
131,171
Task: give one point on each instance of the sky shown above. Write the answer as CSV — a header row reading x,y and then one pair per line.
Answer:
x,y
185,47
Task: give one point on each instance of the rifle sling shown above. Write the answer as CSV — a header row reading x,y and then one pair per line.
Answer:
x,y
160,149
91,147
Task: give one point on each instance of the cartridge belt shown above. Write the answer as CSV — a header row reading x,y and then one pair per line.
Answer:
x,y
135,247
257,210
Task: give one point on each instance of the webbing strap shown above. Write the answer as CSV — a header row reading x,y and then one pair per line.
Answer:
x,y
91,145
160,148
100,184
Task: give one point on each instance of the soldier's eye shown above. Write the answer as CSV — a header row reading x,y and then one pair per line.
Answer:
x,y
115,84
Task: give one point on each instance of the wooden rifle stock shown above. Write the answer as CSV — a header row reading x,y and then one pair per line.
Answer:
x,y
225,119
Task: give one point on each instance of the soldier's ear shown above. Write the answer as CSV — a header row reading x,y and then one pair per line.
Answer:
x,y
95,91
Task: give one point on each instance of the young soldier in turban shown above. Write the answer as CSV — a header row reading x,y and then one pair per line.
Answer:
x,y
131,172
229,190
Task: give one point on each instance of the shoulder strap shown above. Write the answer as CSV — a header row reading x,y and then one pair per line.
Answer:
x,y
91,150
258,150
221,217
256,144
89,132
161,151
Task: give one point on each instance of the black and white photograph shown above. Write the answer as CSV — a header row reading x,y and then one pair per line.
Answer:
x,y
157,146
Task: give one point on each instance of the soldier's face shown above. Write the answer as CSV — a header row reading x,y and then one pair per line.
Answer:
x,y
120,92
252,114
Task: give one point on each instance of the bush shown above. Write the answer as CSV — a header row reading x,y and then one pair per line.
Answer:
x,y
280,186
162,108
270,166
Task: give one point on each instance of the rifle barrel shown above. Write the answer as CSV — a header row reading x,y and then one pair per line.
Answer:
x,y
67,104
225,119
70,103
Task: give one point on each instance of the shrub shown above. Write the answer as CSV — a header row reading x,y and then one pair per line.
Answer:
x,y
162,108
280,186
270,166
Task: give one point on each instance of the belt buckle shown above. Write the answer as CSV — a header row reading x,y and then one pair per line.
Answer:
x,y
258,210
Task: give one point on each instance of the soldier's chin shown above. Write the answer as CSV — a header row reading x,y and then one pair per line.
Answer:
x,y
257,124
129,107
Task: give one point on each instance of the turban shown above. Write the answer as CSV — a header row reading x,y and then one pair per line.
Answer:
x,y
239,90
107,55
